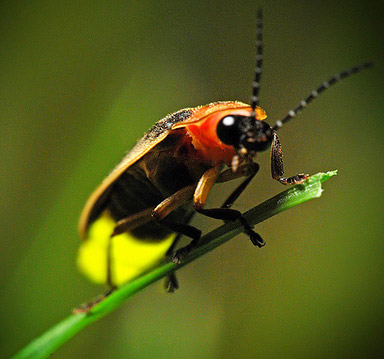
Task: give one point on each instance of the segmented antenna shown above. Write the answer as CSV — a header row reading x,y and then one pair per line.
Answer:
x,y
259,62
334,79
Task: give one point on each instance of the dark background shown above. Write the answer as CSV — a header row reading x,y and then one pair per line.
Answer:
x,y
81,81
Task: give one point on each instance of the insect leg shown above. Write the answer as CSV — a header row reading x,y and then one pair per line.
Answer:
x,y
172,202
131,222
154,213
242,171
224,213
169,205
158,214
110,264
207,180
170,281
182,228
252,169
277,167
86,307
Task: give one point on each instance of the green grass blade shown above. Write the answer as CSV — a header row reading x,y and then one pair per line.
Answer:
x,y
55,337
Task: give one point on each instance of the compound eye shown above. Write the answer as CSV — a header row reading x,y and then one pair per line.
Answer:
x,y
227,130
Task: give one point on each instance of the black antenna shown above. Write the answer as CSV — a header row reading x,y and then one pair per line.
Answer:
x,y
334,79
259,62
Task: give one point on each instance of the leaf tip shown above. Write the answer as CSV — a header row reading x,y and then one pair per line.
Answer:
x,y
324,176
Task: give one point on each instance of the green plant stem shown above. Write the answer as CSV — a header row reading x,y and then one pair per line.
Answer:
x,y
55,337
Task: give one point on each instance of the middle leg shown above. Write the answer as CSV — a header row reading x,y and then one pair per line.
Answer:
x,y
225,213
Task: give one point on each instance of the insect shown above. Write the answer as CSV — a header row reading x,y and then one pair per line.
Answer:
x,y
138,213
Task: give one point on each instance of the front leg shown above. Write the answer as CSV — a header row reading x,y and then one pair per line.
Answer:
x,y
277,167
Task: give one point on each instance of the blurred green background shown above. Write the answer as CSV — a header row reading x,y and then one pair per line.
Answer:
x,y
81,81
